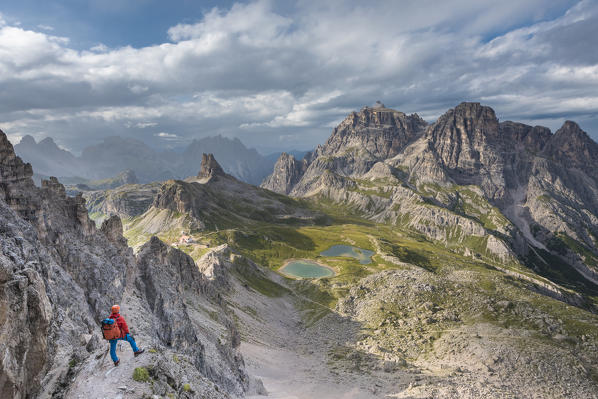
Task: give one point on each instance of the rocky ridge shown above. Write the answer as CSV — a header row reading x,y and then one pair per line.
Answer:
x,y
211,200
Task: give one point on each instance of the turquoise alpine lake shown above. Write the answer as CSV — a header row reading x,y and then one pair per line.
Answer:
x,y
364,256
306,269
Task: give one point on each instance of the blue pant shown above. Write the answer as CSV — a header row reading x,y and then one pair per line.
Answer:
x,y
113,342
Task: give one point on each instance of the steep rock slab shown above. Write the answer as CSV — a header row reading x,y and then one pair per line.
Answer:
x,y
287,173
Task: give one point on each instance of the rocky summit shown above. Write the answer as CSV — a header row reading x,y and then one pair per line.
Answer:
x,y
209,167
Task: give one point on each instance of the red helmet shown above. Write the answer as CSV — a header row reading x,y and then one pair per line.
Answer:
x,y
115,309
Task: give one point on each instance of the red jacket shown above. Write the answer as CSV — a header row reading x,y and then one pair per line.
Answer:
x,y
122,324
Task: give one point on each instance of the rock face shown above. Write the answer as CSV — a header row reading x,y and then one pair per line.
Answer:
x,y
468,142
361,140
209,167
126,201
380,131
539,188
15,181
59,275
572,147
215,200
287,173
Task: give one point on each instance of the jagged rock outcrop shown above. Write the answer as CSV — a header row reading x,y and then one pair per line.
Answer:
x,y
572,147
53,261
355,145
59,275
125,201
287,173
112,228
167,278
222,263
15,181
209,167
380,131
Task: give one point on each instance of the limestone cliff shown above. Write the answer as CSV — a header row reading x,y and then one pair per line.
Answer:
x,y
287,173
209,167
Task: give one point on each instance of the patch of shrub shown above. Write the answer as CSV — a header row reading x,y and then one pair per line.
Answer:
x,y
140,374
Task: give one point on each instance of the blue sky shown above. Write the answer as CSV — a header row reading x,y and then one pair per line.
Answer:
x,y
114,23
281,75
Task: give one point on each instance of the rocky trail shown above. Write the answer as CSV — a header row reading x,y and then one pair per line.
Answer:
x,y
101,379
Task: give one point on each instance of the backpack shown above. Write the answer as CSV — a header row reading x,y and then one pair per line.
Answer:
x,y
110,329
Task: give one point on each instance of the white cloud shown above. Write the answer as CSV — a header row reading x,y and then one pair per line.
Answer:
x,y
99,48
166,135
143,125
259,72
45,27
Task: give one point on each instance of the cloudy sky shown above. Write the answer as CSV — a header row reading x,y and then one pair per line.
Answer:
x,y
279,74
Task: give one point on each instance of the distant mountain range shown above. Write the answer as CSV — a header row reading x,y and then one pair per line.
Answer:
x,y
115,155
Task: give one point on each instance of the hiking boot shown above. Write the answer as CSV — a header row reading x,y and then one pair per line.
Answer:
x,y
139,352
116,363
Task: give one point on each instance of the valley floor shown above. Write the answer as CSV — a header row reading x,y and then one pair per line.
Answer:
x,y
292,358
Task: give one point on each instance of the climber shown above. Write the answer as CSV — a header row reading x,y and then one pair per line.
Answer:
x,y
124,335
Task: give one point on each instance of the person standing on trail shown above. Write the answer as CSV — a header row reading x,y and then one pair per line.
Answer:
x,y
124,335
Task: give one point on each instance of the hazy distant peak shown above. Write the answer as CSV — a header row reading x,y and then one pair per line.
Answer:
x,y
48,142
27,140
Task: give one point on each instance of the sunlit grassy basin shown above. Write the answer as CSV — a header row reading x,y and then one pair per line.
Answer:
x,y
306,269
364,256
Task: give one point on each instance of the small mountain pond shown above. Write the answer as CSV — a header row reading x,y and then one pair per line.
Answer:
x,y
306,269
364,256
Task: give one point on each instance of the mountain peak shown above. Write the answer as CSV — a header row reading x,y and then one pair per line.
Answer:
x,y
571,128
27,140
572,146
210,167
287,172
475,110
571,135
48,140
